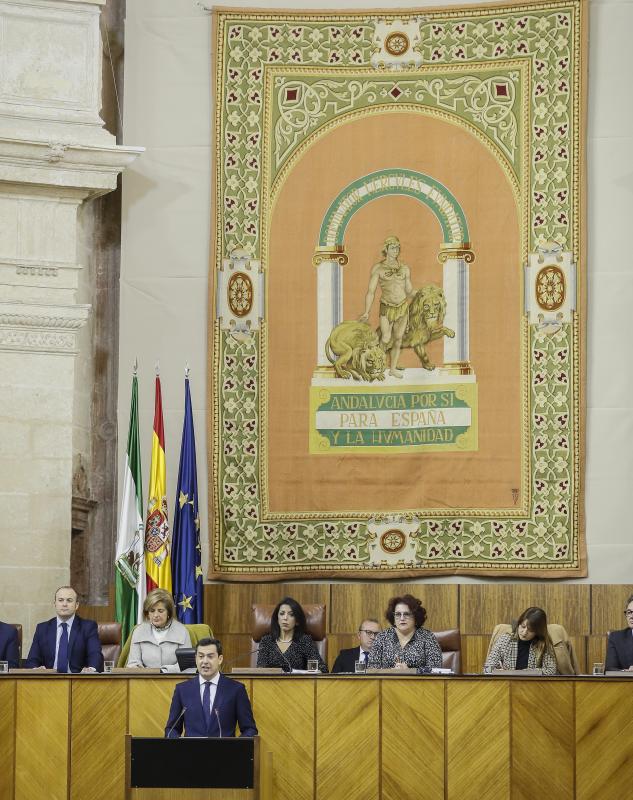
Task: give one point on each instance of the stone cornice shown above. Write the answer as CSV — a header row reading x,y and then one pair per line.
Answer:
x,y
41,327
92,170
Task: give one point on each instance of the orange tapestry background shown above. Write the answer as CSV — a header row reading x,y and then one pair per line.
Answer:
x,y
488,478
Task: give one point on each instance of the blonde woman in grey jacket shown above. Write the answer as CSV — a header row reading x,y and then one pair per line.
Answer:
x,y
155,641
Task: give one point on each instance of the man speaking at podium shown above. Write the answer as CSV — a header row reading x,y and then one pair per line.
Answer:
x,y
210,704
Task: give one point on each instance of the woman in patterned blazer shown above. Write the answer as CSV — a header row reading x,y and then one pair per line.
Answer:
x,y
406,643
528,646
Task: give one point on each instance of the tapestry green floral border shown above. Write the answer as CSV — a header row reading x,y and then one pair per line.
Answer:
x,y
513,75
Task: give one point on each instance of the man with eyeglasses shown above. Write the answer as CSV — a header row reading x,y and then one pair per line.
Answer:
x,y
620,645
346,659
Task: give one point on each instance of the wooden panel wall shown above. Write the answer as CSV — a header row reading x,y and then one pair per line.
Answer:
x,y
587,611
99,724
342,739
412,751
7,728
607,606
42,740
289,735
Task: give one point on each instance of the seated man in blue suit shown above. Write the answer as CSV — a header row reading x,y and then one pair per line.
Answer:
x,y
67,642
620,643
210,704
9,650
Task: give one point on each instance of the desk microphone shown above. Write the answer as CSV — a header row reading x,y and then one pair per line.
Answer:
x,y
231,661
177,720
283,655
217,714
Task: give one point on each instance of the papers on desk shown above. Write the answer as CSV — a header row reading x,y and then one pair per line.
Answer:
x,y
518,673
441,671
138,671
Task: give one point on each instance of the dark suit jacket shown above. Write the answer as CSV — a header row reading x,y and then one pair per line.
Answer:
x,y
84,647
620,649
230,707
9,650
346,660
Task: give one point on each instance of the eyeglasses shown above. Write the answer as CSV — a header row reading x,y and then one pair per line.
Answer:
x,y
628,613
403,614
371,634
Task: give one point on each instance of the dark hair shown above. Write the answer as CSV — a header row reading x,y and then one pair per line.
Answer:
x,y
536,620
299,615
414,605
207,641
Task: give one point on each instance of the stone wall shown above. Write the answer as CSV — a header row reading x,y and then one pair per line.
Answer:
x,y
54,156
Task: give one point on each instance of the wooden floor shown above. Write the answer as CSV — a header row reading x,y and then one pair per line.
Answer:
x,y
325,738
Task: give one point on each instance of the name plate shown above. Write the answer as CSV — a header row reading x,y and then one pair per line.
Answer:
x,y
516,673
137,671
32,671
391,671
257,671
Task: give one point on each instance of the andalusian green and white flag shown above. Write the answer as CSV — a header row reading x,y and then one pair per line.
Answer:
x,y
129,560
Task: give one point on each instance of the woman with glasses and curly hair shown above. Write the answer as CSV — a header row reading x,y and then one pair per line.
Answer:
x,y
406,643
528,646
620,644
288,645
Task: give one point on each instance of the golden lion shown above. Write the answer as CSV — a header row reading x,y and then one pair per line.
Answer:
x,y
354,350
426,322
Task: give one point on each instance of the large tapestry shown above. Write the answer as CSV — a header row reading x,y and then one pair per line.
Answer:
x,y
396,336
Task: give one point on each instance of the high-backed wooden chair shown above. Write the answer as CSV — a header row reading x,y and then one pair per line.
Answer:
x,y
315,626
451,646
110,638
563,647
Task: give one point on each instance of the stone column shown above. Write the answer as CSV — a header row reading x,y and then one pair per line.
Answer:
x,y
54,156
456,291
328,262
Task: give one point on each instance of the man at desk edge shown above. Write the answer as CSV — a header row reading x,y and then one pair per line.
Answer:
x,y
210,704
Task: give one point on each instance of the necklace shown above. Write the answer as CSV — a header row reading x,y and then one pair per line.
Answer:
x,y
284,640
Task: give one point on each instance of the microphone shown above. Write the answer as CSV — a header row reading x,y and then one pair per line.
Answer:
x,y
288,664
184,708
231,661
217,714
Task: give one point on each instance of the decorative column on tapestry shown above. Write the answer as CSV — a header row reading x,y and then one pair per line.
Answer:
x,y
397,304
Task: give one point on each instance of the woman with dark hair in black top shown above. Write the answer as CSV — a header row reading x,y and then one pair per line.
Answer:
x,y
288,645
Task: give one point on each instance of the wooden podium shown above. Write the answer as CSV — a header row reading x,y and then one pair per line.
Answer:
x,y
192,768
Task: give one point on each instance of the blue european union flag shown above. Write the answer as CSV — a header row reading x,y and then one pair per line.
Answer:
x,y
186,566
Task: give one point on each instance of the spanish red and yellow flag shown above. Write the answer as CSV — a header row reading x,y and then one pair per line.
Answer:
x,y
157,538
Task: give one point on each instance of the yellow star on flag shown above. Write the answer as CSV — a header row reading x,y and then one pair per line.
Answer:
x,y
186,602
197,522
183,499
198,572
